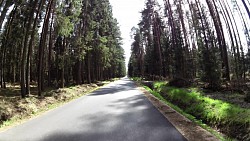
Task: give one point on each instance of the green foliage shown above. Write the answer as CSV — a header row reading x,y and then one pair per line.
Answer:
x,y
136,78
67,17
65,26
67,42
181,111
214,112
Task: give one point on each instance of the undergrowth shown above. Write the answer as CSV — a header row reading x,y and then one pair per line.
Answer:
x,y
230,119
189,116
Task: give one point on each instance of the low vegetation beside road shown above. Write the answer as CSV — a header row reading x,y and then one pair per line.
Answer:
x,y
225,115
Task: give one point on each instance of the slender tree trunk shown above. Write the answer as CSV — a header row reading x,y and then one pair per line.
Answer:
x,y
4,46
221,39
50,48
83,72
173,33
24,64
79,73
244,24
246,7
8,3
157,37
4,68
186,50
41,48
63,63
88,66
1,64
231,33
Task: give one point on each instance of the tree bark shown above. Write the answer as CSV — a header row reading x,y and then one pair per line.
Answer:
x,y
8,3
41,48
246,7
24,64
3,59
50,48
221,39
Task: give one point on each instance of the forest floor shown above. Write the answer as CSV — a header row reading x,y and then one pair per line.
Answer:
x,y
230,97
14,110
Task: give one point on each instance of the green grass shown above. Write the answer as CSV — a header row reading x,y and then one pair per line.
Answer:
x,y
189,116
206,112
211,110
231,119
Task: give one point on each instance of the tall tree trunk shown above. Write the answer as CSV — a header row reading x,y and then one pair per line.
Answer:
x,y
186,50
30,47
41,48
244,24
4,46
50,48
79,72
246,7
231,33
88,66
24,63
63,62
173,34
221,38
157,37
6,7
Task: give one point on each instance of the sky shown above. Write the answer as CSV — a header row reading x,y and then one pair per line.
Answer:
x,y
127,12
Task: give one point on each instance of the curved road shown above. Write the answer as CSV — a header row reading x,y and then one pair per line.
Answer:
x,y
116,112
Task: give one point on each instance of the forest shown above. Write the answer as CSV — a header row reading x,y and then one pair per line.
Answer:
x,y
197,44
193,54
58,43
193,40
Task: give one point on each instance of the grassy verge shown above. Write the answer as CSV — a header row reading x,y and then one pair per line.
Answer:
x,y
14,110
227,118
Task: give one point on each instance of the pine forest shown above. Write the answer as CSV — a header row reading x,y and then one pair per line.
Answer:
x,y
201,49
58,43
179,71
196,41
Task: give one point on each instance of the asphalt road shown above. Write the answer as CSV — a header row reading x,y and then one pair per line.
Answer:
x,y
117,112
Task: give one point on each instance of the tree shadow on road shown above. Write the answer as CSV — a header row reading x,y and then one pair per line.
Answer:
x,y
130,119
114,89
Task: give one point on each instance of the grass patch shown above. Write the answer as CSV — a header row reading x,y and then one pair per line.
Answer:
x,y
189,116
229,119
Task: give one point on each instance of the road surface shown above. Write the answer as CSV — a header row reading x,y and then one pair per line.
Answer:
x,y
116,112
